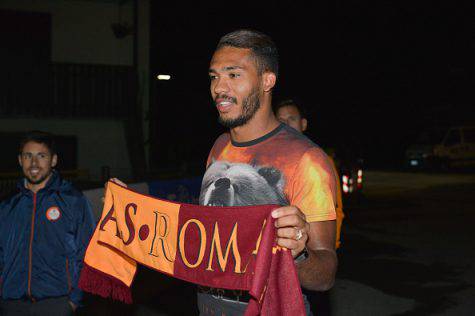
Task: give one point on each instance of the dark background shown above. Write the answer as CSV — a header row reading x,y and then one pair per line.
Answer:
x,y
372,74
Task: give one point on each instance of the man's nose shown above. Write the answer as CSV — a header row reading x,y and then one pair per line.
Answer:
x,y
220,86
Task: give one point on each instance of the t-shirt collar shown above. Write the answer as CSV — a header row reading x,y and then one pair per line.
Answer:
x,y
260,139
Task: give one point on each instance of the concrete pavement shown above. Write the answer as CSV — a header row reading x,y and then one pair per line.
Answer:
x,y
408,247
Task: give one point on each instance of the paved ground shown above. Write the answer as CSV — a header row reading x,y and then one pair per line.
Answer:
x,y
408,249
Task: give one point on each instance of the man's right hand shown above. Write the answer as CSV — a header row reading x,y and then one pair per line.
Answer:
x,y
115,180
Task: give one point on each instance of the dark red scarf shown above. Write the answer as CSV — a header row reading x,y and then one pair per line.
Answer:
x,y
220,247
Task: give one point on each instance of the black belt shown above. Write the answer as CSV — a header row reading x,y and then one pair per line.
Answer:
x,y
234,295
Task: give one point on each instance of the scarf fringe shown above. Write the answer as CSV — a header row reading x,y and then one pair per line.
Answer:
x,y
102,284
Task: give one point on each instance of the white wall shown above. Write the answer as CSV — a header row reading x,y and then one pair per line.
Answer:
x,y
100,142
81,30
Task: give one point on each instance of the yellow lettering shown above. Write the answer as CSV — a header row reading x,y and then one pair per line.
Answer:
x,y
161,231
258,243
181,242
216,244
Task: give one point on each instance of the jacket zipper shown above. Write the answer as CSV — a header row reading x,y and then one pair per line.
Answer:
x,y
68,276
30,256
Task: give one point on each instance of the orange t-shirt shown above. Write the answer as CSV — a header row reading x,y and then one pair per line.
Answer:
x,y
283,167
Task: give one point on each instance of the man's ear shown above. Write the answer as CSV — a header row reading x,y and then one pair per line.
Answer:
x,y
19,160
304,124
54,160
268,81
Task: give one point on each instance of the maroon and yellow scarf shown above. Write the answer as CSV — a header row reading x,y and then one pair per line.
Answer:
x,y
220,247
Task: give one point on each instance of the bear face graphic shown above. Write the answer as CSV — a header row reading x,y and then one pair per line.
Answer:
x,y
239,184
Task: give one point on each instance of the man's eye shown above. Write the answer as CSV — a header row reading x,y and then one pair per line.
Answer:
x,y
212,77
42,156
233,75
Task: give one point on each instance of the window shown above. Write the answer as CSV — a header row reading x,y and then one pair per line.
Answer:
x,y
452,138
469,135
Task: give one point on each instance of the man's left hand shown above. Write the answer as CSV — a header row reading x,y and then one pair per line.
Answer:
x,y
292,228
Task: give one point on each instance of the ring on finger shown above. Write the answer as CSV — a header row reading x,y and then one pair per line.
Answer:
x,y
299,234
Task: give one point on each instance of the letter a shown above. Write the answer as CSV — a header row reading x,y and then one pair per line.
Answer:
x,y
216,244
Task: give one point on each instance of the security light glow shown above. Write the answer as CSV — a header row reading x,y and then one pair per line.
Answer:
x,y
164,77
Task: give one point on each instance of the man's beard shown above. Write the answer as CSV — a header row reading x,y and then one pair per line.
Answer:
x,y
38,180
250,105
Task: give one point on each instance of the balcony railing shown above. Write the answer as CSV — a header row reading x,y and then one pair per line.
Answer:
x,y
69,90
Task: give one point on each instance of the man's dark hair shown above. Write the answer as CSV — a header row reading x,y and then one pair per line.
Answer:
x,y
290,102
39,137
261,46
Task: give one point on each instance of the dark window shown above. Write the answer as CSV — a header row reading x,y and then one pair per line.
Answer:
x,y
431,137
469,135
453,138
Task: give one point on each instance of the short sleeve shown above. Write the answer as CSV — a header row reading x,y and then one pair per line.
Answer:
x,y
313,186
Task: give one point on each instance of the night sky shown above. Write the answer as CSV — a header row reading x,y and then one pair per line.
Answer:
x,y
372,74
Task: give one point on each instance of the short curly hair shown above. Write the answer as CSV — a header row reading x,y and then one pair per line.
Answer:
x,y
261,45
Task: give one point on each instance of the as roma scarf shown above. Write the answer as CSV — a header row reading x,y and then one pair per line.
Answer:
x,y
220,247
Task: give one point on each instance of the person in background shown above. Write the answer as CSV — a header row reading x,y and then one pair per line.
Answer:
x,y
295,116
45,228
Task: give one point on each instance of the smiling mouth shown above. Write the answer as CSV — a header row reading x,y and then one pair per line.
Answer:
x,y
34,171
224,106
224,103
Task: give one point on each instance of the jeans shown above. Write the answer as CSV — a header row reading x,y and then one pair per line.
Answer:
x,y
210,305
57,306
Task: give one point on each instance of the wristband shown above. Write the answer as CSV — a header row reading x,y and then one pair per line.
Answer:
x,y
301,256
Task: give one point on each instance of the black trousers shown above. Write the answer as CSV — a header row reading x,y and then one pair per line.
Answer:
x,y
58,306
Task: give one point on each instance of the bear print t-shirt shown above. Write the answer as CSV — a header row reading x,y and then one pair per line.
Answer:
x,y
283,167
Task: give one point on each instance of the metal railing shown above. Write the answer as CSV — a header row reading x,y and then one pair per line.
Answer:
x,y
70,90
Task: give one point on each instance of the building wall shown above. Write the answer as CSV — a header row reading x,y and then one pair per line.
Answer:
x,y
81,30
81,33
100,142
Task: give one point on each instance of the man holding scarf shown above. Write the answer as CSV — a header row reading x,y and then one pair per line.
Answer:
x,y
262,161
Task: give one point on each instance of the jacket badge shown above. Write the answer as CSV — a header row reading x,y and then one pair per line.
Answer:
x,y
53,214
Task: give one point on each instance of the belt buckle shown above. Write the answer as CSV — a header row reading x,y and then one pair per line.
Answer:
x,y
219,294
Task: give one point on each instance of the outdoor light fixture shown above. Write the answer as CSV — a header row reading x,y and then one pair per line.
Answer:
x,y
121,29
164,77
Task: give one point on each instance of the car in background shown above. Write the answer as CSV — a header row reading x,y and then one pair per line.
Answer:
x,y
350,169
448,148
